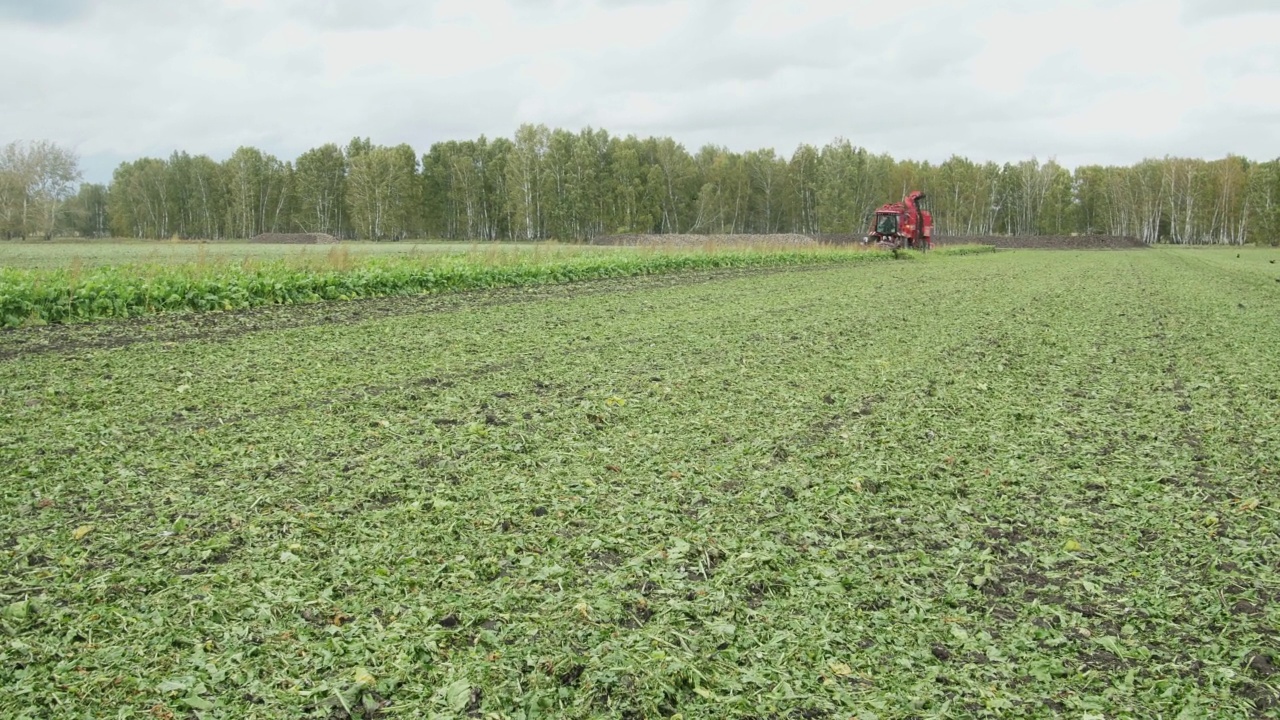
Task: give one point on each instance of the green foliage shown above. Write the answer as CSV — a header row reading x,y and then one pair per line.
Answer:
x,y
87,213
546,183
321,186
74,294
1264,203
1009,485
36,179
382,189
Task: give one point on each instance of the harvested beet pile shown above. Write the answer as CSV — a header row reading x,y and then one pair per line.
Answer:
x,y
1051,242
692,241
295,238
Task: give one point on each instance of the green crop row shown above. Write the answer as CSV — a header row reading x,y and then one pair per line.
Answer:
x,y
30,297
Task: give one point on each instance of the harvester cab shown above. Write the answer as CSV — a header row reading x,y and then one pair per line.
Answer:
x,y
887,224
904,224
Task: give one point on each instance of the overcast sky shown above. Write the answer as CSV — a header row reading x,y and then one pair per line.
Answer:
x,y
1085,81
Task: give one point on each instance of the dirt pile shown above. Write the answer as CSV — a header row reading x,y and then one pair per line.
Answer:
x,y
697,241
295,238
1046,242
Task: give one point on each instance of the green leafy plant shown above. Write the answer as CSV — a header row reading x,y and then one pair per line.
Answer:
x,y
972,487
36,296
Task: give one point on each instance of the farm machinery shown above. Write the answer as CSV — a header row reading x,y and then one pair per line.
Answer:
x,y
902,225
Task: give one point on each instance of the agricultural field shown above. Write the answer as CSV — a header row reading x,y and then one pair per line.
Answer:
x,y
1018,484
96,253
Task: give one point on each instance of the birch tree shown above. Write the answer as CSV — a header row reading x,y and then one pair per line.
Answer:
x,y
802,177
260,188
321,190
36,178
525,180
87,214
1263,204
382,188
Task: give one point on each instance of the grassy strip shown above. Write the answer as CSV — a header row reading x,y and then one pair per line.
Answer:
x,y
29,297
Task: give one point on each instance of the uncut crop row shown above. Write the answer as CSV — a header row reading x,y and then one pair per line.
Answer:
x,y
59,296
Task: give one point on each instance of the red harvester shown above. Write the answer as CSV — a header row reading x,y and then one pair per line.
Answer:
x,y
902,225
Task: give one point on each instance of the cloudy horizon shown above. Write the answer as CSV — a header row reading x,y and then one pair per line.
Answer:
x,y
1104,81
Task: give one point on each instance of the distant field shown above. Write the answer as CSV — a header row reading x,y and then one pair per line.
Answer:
x,y
1021,484
158,252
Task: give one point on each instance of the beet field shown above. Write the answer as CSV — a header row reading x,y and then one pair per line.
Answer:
x,y
1020,484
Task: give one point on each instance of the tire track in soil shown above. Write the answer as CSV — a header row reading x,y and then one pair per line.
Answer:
x,y
345,396
183,421
1241,595
1046,242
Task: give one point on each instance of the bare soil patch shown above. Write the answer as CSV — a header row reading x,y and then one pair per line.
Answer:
x,y
1060,242
1046,242
295,238
698,241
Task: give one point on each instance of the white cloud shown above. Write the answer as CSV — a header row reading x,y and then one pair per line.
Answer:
x,y
1095,81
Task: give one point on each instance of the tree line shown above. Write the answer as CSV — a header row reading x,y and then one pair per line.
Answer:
x,y
556,184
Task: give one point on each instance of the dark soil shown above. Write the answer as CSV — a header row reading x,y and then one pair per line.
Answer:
x,y
295,238
1061,242
1045,242
698,241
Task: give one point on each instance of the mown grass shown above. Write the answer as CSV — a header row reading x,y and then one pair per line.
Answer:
x,y
76,293
1010,485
